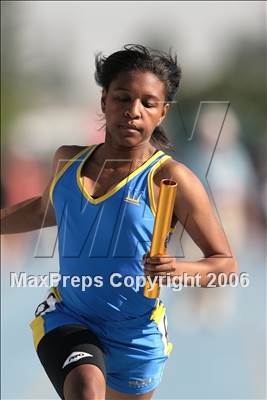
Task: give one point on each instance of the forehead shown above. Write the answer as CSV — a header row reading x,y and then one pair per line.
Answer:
x,y
141,81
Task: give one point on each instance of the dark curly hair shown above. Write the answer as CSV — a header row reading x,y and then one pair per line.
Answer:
x,y
138,57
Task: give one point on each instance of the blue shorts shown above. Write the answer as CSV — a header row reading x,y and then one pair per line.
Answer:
x,y
134,350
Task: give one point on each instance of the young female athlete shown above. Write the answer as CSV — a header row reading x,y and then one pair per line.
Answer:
x,y
108,340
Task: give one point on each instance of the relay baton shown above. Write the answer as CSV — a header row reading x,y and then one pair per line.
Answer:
x,y
161,228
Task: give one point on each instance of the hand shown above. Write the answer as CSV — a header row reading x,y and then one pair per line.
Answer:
x,y
159,265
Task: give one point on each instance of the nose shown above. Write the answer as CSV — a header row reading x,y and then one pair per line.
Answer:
x,y
133,110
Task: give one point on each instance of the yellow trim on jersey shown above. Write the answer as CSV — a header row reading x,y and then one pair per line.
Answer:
x,y
55,291
158,315
119,185
59,174
169,348
158,312
38,331
150,183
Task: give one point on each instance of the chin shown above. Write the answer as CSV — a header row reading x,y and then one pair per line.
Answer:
x,y
128,141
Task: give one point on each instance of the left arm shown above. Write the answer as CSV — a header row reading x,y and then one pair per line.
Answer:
x,y
194,211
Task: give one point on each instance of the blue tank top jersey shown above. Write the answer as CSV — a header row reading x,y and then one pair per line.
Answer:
x,y
101,241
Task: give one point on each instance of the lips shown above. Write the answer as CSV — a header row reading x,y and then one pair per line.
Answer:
x,y
130,127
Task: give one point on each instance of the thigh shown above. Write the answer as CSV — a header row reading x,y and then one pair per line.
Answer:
x,y
115,395
63,349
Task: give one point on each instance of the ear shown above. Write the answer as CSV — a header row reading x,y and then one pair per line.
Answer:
x,y
103,100
164,113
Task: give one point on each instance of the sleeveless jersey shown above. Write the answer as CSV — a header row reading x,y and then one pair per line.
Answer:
x,y
101,241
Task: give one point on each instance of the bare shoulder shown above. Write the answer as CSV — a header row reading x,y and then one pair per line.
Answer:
x,y
172,169
64,154
191,193
68,151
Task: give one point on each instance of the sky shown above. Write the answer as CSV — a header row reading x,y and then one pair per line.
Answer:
x,y
201,33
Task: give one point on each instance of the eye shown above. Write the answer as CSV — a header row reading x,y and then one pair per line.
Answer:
x,y
149,104
121,98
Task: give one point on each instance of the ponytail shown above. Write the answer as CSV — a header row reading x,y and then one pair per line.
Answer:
x,y
160,140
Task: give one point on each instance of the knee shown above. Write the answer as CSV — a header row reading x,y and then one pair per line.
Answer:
x,y
84,392
84,384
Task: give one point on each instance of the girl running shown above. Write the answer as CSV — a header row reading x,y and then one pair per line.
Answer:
x,y
105,339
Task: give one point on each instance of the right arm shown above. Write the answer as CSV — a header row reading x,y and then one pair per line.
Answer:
x,y
36,212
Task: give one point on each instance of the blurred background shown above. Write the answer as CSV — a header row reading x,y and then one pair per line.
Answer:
x,y
218,127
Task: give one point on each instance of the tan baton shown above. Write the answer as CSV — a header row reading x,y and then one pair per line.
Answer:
x,y
161,229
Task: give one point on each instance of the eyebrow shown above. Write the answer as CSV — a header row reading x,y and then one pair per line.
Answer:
x,y
146,95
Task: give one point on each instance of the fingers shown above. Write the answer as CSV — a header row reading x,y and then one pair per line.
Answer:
x,y
157,259
158,265
159,272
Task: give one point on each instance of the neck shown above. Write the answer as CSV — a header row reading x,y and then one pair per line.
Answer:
x,y
136,154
